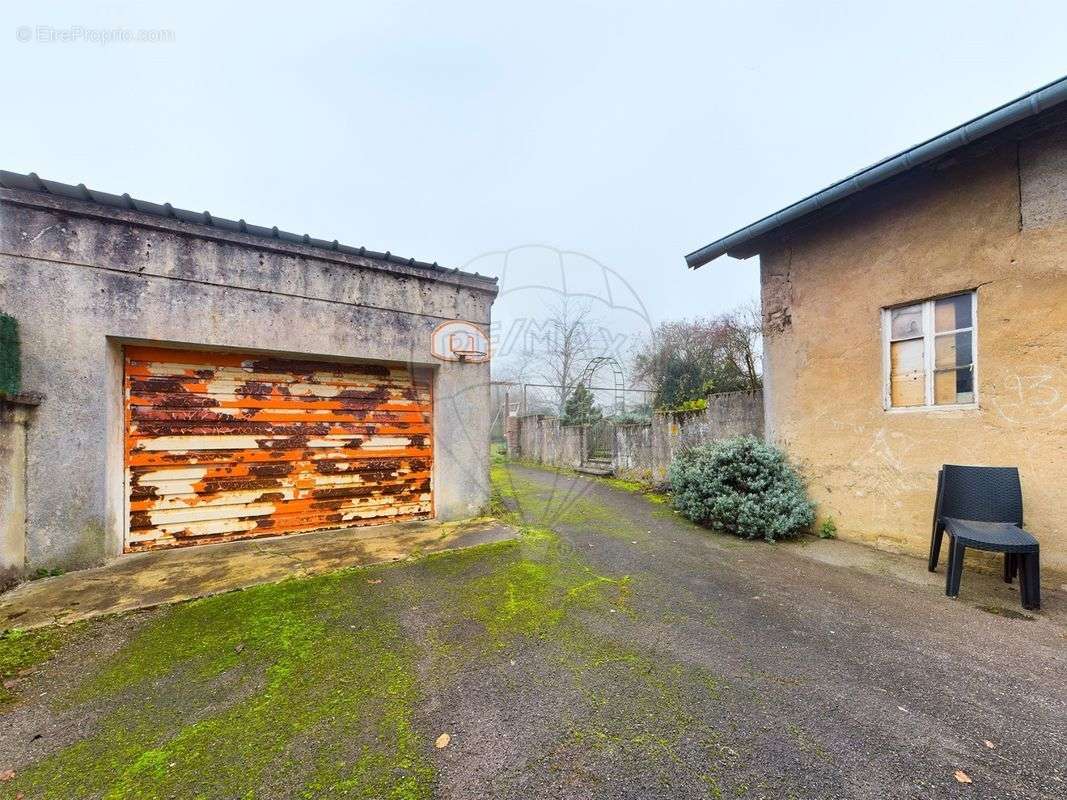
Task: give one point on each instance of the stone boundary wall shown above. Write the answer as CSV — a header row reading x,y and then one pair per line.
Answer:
x,y
727,415
642,452
634,450
544,440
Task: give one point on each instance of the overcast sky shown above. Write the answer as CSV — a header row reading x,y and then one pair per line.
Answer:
x,y
631,133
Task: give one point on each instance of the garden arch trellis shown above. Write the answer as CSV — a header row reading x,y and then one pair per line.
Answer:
x,y
619,388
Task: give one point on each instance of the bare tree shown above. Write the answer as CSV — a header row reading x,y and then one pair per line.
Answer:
x,y
742,331
517,366
562,343
688,360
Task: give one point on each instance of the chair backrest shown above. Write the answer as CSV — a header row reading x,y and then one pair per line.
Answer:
x,y
985,494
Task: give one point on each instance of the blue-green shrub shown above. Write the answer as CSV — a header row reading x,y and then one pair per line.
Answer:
x,y
742,486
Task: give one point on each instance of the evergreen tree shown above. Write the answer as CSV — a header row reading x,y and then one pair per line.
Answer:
x,y
579,408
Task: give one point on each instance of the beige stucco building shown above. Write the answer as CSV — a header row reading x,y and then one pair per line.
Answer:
x,y
915,315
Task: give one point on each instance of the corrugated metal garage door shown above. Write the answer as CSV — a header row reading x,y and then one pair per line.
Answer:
x,y
223,446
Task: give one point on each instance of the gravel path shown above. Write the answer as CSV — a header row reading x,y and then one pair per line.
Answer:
x,y
613,651
828,682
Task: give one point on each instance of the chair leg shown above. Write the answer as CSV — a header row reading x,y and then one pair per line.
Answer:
x,y
1009,567
936,529
1024,581
935,548
1035,581
955,568
1030,581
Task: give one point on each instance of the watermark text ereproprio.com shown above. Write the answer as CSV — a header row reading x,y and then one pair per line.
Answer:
x,y
83,34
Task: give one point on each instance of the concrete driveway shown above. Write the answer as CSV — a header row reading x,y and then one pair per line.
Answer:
x,y
613,651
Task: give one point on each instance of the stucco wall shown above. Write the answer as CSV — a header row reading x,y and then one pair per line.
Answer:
x,y
995,220
82,281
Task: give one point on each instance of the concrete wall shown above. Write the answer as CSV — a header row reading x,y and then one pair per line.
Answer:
x,y
727,415
995,220
644,452
633,452
542,439
83,279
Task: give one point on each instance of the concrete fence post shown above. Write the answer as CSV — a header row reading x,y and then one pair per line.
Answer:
x,y
14,417
513,435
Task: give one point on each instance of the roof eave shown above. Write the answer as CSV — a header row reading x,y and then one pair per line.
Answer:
x,y
1029,105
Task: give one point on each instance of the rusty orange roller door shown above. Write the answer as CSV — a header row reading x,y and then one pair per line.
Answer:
x,y
224,446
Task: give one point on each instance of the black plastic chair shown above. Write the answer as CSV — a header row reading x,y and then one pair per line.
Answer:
x,y
982,507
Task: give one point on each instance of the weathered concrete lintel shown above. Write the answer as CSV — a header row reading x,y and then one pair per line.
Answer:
x,y
130,217
23,399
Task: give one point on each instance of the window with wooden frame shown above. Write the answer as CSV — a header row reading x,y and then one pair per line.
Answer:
x,y
930,350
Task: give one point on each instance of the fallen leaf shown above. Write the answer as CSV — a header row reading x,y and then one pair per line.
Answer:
x,y
963,777
7,775
10,684
988,744
374,581
442,741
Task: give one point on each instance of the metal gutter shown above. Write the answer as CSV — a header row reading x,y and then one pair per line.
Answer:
x,y
32,183
1028,105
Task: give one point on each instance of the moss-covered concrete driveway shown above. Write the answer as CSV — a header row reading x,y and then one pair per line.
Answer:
x,y
614,651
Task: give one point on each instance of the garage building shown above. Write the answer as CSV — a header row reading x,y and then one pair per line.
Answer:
x,y
189,379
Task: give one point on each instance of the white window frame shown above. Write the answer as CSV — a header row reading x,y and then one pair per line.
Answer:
x,y
929,335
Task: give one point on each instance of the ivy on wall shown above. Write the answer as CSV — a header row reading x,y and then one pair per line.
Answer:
x,y
10,370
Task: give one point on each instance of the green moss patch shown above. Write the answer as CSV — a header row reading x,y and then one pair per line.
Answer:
x,y
22,650
529,588
637,487
314,687
282,689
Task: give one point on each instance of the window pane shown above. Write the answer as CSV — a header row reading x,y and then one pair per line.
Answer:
x,y
952,313
906,374
952,350
954,386
906,322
